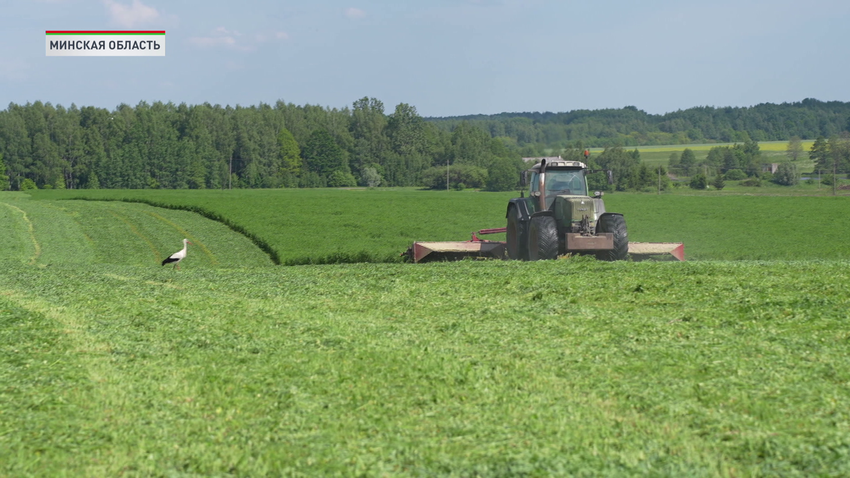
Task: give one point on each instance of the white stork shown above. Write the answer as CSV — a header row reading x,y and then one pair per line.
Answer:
x,y
177,256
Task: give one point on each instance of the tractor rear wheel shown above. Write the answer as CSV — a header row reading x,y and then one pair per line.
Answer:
x,y
616,224
542,238
515,235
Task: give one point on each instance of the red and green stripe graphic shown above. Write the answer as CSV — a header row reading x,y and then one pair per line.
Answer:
x,y
105,32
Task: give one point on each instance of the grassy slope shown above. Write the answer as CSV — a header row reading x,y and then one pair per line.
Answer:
x,y
683,369
55,232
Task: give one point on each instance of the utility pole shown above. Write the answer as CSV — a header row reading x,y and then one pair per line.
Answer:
x,y
834,173
659,179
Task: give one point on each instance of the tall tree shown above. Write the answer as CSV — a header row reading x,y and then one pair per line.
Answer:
x,y
368,123
4,179
794,150
290,153
688,161
322,155
408,137
819,153
17,145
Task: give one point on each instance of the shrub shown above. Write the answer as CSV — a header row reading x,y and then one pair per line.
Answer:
x,y
786,175
753,181
28,184
734,175
470,176
340,179
718,182
699,181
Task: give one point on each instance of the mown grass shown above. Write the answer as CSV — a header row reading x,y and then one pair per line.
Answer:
x,y
113,365
55,232
570,367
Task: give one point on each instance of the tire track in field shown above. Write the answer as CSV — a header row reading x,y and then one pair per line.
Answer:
x,y
187,235
72,214
138,234
30,230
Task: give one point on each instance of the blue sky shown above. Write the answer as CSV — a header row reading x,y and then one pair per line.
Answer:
x,y
445,57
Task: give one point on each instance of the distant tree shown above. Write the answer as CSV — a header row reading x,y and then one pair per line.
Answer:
x,y
340,179
503,175
698,181
795,148
4,179
322,155
290,153
734,175
674,160
786,175
466,174
819,153
92,182
718,182
839,153
622,164
687,161
369,176
310,179
28,184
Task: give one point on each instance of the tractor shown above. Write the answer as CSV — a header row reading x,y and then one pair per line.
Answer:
x,y
559,216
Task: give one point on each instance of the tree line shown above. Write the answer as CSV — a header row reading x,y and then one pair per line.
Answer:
x,y
629,126
163,145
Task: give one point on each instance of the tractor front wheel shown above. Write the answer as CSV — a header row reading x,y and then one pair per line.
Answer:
x,y
616,224
542,238
515,235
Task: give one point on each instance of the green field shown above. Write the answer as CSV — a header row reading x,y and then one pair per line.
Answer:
x,y
112,365
326,226
771,151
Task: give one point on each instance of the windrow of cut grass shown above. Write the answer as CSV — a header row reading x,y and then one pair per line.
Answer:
x,y
61,232
330,225
569,367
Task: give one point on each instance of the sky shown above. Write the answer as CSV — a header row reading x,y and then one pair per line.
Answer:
x,y
444,57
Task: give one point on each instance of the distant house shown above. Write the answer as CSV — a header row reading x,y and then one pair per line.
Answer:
x,y
770,168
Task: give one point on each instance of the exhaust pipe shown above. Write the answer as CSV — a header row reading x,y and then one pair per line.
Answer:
x,y
542,185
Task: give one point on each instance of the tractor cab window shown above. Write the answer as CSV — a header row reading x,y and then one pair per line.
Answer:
x,y
561,182
534,182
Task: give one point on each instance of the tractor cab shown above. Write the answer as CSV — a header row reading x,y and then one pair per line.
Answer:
x,y
557,178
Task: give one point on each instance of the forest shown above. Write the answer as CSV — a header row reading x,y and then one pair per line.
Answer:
x,y
180,146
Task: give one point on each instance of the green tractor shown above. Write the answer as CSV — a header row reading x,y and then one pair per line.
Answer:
x,y
559,217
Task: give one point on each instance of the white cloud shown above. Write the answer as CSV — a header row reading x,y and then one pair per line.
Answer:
x,y
206,42
267,37
132,15
354,13
222,37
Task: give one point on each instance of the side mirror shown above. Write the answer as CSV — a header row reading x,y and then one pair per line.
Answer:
x,y
598,194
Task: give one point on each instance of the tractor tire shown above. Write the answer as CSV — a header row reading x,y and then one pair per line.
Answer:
x,y
516,233
542,238
616,224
